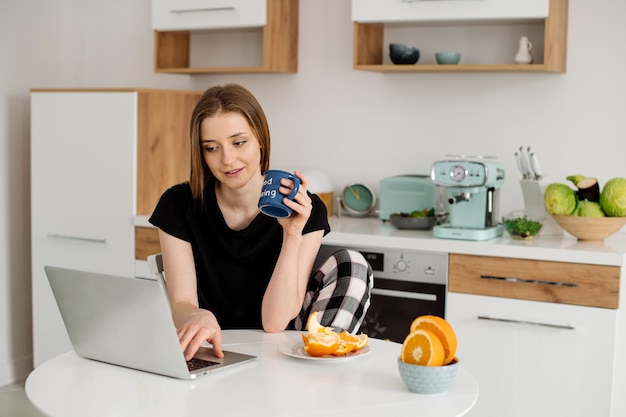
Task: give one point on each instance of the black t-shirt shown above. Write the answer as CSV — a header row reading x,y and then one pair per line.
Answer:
x,y
233,267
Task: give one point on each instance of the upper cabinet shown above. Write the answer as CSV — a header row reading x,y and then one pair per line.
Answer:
x,y
485,32
168,15
441,10
225,36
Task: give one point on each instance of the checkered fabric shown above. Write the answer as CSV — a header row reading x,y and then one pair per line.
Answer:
x,y
339,291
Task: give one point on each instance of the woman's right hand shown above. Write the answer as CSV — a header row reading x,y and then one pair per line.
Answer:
x,y
199,326
194,325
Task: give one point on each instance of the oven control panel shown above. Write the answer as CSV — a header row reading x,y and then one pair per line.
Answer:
x,y
404,265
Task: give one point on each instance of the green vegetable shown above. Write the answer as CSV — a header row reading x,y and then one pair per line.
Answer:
x,y
613,197
417,213
560,199
589,209
423,213
522,227
575,179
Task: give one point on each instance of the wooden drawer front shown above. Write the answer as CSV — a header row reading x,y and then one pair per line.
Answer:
x,y
146,242
554,282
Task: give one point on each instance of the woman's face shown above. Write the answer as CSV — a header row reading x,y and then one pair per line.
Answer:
x,y
230,149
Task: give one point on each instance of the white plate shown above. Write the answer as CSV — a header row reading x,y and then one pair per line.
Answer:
x,y
296,350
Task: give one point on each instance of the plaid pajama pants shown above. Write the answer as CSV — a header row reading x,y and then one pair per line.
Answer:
x,y
339,290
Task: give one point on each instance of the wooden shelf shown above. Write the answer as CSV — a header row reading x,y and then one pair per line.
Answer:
x,y
369,46
280,45
457,68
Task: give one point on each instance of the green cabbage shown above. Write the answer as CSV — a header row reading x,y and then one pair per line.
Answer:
x,y
560,199
590,209
613,197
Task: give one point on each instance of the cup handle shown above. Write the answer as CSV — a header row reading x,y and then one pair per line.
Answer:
x,y
296,187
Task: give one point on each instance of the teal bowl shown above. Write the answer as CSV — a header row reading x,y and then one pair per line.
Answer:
x,y
428,379
448,58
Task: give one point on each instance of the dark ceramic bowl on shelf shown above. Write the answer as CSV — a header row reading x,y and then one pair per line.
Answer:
x,y
401,54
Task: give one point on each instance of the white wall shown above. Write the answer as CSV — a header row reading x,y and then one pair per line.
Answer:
x,y
353,125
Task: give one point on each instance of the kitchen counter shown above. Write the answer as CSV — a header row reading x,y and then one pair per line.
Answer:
x,y
374,233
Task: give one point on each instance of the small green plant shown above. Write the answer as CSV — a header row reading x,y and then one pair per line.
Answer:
x,y
522,227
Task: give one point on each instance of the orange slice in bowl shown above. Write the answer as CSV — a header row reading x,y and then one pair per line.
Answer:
x,y
422,347
442,329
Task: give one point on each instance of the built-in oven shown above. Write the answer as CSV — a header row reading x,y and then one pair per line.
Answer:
x,y
407,284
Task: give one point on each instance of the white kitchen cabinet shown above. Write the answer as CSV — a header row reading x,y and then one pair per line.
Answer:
x,y
207,14
446,10
539,336
82,185
485,32
98,158
225,36
535,358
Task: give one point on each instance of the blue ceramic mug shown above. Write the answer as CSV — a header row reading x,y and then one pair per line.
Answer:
x,y
271,199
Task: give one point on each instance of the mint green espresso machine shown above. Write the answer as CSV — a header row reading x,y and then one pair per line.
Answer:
x,y
473,190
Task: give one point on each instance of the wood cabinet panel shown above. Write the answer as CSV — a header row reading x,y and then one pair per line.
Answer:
x,y
146,242
555,282
163,143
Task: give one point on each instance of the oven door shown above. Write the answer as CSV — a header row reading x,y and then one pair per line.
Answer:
x,y
395,304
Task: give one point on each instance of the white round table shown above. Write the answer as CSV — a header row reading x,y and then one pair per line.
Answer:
x,y
274,384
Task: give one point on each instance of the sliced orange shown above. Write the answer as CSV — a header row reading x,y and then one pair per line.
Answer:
x,y
356,341
363,339
442,329
313,325
321,340
343,349
321,344
422,347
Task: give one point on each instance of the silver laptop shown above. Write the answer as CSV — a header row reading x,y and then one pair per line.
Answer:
x,y
127,322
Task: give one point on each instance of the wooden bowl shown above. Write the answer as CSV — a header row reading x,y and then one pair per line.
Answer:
x,y
590,228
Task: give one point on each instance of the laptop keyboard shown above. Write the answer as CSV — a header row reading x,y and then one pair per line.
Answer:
x,y
196,363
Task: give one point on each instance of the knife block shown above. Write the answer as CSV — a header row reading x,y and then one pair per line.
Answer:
x,y
533,191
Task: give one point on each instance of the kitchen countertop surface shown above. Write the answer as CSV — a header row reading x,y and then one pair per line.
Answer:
x,y
373,233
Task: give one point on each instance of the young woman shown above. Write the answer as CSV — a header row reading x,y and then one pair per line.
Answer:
x,y
228,265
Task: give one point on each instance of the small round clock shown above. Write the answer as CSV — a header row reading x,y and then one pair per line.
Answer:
x,y
358,199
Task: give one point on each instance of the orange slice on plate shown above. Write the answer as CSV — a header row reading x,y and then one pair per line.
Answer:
x,y
321,340
321,344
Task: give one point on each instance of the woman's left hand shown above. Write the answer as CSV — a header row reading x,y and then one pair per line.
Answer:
x,y
301,205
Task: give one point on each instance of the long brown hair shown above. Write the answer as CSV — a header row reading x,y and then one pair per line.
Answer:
x,y
229,98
